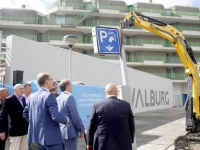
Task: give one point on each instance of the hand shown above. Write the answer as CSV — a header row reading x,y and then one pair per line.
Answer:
x,y
67,120
2,136
81,135
89,147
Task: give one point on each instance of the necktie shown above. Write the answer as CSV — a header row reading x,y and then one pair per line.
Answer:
x,y
23,101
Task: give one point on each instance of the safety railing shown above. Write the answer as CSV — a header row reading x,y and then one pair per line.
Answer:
x,y
131,58
140,10
88,22
87,39
187,28
124,9
75,5
96,22
173,76
191,43
87,8
31,20
141,42
104,57
166,12
190,13
48,38
165,59
27,36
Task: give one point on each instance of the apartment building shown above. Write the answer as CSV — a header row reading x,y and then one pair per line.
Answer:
x,y
144,50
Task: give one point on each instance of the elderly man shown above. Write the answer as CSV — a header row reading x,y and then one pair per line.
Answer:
x,y
43,116
67,106
13,106
4,126
111,124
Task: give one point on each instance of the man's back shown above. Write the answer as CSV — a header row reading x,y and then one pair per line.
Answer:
x,y
114,125
43,116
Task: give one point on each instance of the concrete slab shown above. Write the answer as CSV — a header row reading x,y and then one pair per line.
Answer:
x,y
168,133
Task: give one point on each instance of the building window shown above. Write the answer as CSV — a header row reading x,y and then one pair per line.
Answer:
x,y
60,19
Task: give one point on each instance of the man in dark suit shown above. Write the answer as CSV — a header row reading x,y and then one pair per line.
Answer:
x,y
4,126
13,106
111,125
43,116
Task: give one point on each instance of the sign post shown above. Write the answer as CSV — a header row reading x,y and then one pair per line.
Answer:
x,y
106,41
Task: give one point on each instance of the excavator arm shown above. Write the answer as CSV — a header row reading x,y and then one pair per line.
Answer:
x,y
186,55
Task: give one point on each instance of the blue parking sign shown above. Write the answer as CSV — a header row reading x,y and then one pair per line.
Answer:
x,y
106,40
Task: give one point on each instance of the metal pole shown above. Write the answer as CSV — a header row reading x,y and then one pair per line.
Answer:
x,y
122,58
123,66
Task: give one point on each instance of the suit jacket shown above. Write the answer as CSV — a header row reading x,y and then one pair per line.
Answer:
x,y
111,125
4,124
13,108
42,114
67,106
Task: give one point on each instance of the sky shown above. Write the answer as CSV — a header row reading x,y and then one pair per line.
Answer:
x,y
40,5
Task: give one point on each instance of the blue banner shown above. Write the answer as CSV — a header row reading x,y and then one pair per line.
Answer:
x,y
85,97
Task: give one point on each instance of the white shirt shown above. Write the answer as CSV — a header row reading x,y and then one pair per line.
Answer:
x,y
110,96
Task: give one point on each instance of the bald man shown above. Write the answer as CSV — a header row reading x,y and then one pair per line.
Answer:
x,y
13,106
111,125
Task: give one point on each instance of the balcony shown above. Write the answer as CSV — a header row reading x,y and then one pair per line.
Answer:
x,y
164,59
173,76
187,28
96,22
125,9
87,39
74,5
81,6
85,23
130,43
27,36
131,58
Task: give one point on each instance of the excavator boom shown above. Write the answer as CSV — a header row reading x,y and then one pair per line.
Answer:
x,y
186,55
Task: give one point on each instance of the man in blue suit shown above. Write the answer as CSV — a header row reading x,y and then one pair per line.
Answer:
x,y
43,116
111,125
67,106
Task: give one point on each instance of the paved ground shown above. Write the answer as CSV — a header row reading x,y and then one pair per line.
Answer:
x,y
155,130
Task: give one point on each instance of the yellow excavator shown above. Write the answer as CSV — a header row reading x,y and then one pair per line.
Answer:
x,y
186,55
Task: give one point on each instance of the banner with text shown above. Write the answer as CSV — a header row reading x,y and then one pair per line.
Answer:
x,y
85,97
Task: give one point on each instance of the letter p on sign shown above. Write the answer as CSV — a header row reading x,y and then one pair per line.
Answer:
x,y
103,35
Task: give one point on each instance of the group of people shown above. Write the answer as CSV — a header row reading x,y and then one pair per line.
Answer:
x,y
52,121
